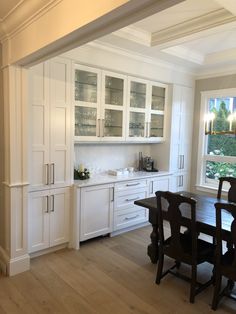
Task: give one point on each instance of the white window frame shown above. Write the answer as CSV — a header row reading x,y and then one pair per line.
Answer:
x,y
201,183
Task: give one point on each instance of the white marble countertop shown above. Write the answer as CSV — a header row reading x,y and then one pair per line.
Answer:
x,y
106,178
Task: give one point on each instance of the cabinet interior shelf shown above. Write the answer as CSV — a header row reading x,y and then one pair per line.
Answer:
x,y
137,93
86,84
157,96
114,89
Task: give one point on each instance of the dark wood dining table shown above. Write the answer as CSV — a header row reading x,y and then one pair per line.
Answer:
x,y
205,217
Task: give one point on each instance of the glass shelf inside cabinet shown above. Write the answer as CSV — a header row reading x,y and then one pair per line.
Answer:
x,y
113,123
85,86
114,91
136,124
156,125
85,121
137,95
158,98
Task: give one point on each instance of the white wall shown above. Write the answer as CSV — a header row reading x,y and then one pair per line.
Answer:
x,y
102,157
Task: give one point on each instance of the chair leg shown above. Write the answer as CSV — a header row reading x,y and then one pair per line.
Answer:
x,y
159,268
216,295
193,284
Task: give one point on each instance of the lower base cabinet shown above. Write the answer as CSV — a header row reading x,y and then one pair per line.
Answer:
x,y
96,211
180,182
48,220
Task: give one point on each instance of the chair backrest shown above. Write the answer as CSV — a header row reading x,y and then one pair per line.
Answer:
x,y
172,203
229,265
232,189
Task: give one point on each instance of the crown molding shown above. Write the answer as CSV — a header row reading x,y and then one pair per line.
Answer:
x,y
219,57
193,26
23,14
139,57
218,71
186,54
135,34
228,5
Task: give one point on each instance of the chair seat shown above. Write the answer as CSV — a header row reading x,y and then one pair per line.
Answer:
x,y
205,250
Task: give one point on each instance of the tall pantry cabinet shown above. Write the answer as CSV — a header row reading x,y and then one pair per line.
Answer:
x,y
181,137
50,154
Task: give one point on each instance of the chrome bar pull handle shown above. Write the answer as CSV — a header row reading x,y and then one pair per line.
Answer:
x,y
132,184
53,173
103,127
132,199
53,203
183,162
47,173
47,204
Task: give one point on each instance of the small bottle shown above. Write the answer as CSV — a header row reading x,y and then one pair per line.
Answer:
x,y
140,161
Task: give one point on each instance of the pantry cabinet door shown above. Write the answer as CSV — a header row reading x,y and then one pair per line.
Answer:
x,y
38,221
59,216
60,122
39,125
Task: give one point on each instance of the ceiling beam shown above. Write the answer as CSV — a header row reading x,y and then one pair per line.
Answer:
x,y
192,29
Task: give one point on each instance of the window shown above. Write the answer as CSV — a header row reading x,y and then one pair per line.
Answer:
x,y
217,152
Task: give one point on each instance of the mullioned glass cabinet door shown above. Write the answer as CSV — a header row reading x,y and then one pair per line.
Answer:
x,y
86,84
87,101
114,92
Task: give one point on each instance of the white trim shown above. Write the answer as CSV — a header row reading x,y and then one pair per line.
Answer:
x,y
139,57
202,156
18,265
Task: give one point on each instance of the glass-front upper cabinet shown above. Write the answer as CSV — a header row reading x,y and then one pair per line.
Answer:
x,y
113,106
158,100
87,102
137,109
146,110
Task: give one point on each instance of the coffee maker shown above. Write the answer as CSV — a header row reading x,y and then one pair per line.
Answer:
x,y
148,164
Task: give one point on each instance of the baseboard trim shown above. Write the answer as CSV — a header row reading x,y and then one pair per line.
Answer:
x,y
18,265
49,250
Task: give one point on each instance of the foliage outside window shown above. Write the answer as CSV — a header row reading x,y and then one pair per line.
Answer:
x,y
219,151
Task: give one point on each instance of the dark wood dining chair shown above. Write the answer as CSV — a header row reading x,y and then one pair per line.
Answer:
x,y
232,189
225,264
183,247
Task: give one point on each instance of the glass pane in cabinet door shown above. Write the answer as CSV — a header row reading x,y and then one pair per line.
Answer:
x,y
85,86
137,95
156,125
114,91
85,121
113,123
158,98
136,124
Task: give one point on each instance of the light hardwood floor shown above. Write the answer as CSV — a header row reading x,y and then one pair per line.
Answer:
x,y
106,276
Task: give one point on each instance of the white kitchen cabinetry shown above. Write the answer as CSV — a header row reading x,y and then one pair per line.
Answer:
x,y
99,105
159,184
96,211
146,110
50,124
126,214
115,107
50,155
181,136
48,218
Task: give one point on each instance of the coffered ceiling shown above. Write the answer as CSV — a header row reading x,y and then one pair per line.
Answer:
x,y
197,34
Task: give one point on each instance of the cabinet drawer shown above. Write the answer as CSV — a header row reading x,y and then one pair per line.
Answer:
x,y
124,219
130,185
127,200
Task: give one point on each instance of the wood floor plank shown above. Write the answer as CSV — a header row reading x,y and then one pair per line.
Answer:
x,y
106,276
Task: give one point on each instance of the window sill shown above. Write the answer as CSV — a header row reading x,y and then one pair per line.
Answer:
x,y
210,189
